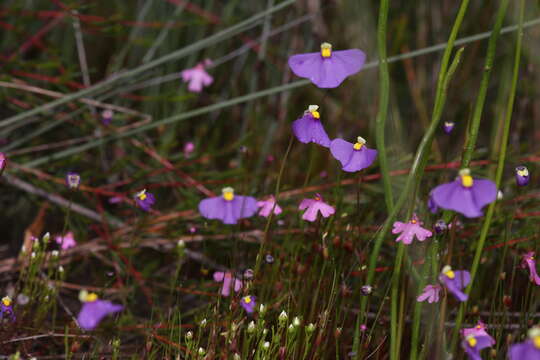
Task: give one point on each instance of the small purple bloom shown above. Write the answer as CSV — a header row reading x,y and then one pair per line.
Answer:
x,y
6,309
73,180
228,208
473,344
353,157
529,349
309,128
465,195
145,200
478,330
327,68
189,148
67,241
3,162
431,293
267,206
248,303
448,126
106,116
228,280
522,175
409,230
94,310
455,281
440,226
197,77
315,205
529,261
366,290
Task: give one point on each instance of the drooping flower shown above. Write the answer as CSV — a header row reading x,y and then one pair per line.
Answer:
x,y
267,206
431,293
353,157
94,310
529,349
477,331
67,241
473,344
309,128
465,195
314,206
529,261
189,148
409,230
145,200
327,68
248,303
106,116
448,126
228,208
455,281
6,309
228,281
522,175
440,226
73,180
197,77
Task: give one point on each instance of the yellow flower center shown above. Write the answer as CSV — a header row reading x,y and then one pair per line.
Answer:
x,y
523,172
358,146
142,195
413,221
228,193
478,327
450,274
467,181
316,114
536,341
247,299
472,341
6,301
326,50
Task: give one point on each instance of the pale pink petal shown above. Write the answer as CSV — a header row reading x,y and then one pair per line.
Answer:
x,y
325,209
306,203
218,276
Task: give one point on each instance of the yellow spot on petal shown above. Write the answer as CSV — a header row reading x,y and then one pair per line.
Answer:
x,y
326,50
357,146
141,195
472,341
228,193
523,172
6,300
450,274
467,181
316,114
91,297
247,299
536,342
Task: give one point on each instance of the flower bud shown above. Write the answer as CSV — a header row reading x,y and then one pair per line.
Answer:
x,y
201,351
310,328
296,321
203,323
251,327
283,317
366,290
189,335
266,345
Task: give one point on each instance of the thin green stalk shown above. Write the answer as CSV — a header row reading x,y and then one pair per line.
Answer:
x,y
384,93
394,299
500,166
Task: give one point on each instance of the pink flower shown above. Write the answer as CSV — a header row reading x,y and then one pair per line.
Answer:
x,y
197,77
189,147
227,279
431,293
67,241
530,262
267,206
409,230
315,205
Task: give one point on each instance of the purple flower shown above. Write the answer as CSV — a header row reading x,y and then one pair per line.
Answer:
x,y
529,261
409,230
431,293
67,241
228,208
440,226
465,195
309,128
472,345
448,126
327,68
145,200
455,281
189,148
478,330
522,175
313,206
228,281
267,206
73,180
6,309
197,77
529,349
106,116
353,157
94,310
248,303
3,162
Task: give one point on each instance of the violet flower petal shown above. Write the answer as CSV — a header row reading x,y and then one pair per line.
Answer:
x,y
93,312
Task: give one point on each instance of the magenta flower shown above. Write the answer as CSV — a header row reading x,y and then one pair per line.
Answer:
x,y
473,344
3,162
309,128
522,175
228,280
465,195
448,126
529,349
455,281
189,148
106,116
529,261
314,206
94,310
431,293
353,157
267,206
409,230
6,309
477,331
327,68
145,200
73,180
228,208
197,77
67,241
248,303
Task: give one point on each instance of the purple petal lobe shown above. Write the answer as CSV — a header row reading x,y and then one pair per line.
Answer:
x,y
93,312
